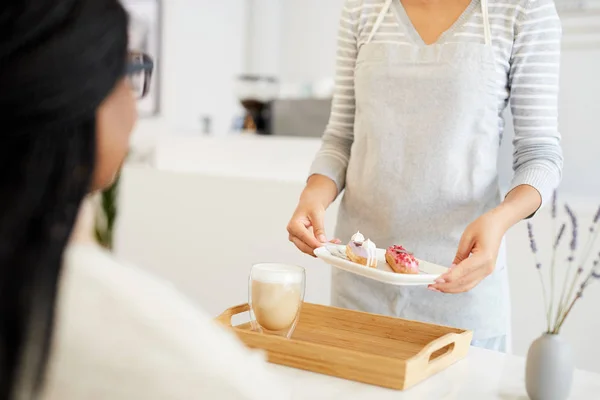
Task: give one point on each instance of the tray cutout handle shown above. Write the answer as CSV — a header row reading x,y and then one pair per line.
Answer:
x,y
441,352
227,315
436,355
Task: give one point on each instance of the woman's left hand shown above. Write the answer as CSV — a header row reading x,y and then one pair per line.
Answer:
x,y
476,255
480,243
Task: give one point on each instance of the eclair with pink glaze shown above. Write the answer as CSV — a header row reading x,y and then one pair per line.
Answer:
x,y
401,261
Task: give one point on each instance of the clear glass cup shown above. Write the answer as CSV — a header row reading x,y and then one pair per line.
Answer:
x,y
275,296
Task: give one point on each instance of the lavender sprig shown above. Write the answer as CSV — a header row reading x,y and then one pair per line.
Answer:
x,y
568,311
532,243
553,263
595,221
538,266
593,274
562,304
573,218
574,288
586,252
561,232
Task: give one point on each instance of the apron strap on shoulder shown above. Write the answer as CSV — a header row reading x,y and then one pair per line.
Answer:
x,y
380,17
486,22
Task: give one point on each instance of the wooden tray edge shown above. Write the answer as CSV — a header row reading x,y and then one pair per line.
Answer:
x,y
225,319
387,317
399,374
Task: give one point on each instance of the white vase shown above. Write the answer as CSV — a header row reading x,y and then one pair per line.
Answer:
x,y
549,368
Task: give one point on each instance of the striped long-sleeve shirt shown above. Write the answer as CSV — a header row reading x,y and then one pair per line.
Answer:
x,y
526,36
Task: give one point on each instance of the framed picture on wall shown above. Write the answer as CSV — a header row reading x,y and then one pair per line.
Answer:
x,y
145,34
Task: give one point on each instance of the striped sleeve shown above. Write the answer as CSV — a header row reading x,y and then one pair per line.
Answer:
x,y
534,85
334,154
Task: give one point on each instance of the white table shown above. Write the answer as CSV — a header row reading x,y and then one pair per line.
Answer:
x,y
483,375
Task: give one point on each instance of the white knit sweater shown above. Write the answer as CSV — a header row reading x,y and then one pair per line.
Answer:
x,y
124,335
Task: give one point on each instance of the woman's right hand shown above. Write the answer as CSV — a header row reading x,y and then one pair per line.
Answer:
x,y
306,228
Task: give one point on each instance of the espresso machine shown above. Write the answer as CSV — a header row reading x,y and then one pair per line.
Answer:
x,y
256,94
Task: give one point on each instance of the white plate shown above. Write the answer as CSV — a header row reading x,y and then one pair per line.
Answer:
x,y
335,255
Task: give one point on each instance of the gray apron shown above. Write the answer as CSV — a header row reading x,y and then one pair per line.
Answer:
x,y
431,114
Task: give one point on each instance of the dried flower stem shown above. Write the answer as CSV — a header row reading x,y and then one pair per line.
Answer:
x,y
559,236
588,248
564,309
566,314
590,245
573,245
563,296
550,309
548,315
552,271
579,294
538,266
570,294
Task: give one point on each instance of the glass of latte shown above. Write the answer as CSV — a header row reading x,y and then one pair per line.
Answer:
x,y
275,296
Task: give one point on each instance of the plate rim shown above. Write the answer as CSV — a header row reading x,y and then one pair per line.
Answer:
x,y
384,276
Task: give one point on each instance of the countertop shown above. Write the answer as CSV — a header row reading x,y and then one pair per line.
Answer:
x,y
248,156
482,375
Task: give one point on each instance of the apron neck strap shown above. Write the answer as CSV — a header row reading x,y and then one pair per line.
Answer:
x,y
486,22
380,18
484,11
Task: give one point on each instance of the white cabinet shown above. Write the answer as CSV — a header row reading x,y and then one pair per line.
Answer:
x,y
295,39
309,39
207,43
203,51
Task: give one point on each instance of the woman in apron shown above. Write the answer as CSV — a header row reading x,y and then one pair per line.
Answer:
x,y
413,143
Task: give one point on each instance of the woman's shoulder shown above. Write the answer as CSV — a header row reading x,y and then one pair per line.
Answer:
x,y
511,18
122,333
97,269
521,9
358,8
119,292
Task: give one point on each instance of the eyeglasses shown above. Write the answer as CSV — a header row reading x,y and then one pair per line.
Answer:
x,y
139,73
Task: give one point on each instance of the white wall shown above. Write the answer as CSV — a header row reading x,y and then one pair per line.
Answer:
x,y
204,232
263,38
309,36
206,44
202,52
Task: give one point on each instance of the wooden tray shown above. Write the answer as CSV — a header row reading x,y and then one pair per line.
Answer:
x,y
383,351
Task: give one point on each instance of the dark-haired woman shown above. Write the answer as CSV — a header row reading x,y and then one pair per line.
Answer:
x,y
75,324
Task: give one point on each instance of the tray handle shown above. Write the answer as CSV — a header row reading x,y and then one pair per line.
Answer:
x,y
449,342
227,315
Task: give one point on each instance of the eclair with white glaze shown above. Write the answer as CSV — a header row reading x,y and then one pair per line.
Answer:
x,y
362,251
